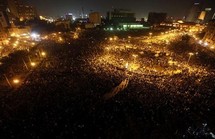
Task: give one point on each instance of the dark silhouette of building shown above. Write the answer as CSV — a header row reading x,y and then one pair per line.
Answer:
x,y
3,5
207,15
18,9
120,16
156,18
4,21
194,12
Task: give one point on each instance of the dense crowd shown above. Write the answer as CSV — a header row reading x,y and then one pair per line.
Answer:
x,y
63,96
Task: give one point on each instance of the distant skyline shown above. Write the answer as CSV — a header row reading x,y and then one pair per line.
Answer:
x,y
176,8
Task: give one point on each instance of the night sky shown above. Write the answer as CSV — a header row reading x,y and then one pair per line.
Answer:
x,y
176,8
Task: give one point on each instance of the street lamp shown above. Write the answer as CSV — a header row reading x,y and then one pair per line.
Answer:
x,y
205,44
33,64
43,54
16,81
190,55
150,34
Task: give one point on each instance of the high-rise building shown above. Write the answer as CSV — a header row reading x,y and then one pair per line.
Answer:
x,y
156,18
95,18
209,14
18,9
12,6
121,16
194,13
201,12
4,21
3,5
26,12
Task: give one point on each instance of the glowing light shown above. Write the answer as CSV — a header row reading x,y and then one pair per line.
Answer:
x,y
205,44
43,54
16,81
33,64
126,65
191,54
135,56
60,39
35,36
150,34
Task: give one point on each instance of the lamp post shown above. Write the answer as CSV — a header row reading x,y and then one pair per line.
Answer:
x,y
33,64
190,55
16,81
150,34
43,54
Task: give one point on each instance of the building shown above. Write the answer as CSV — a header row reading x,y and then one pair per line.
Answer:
x,y
95,18
122,20
4,24
206,15
26,12
156,18
209,14
69,16
201,12
3,5
12,6
18,9
210,33
194,13
120,16
4,20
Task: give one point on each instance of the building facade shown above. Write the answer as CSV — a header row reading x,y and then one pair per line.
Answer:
x,y
95,18
194,13
121,16
18,9
201,12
